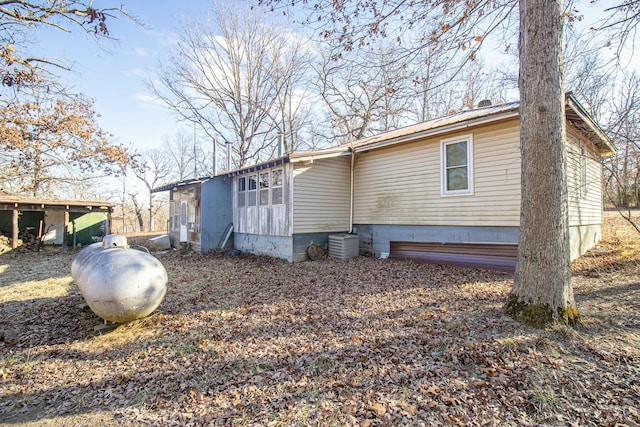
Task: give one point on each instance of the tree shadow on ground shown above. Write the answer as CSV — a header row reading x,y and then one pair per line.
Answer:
x,y
19,268
251,340
620,291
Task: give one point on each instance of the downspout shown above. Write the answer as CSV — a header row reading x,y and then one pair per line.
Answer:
x,y
353,158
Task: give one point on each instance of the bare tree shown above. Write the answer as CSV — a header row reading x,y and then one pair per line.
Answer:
x,y
179,148
478,84
293,96
18,19
190,156
431,99
225,75
620,23
137,210
365,92
153,169
613,98
623,169
587,74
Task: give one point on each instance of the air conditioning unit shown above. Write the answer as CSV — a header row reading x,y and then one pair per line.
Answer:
x,y
344,246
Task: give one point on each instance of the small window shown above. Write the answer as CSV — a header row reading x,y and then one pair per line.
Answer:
x,y
253,185
264,188
242,191
457,166
276,187
191,226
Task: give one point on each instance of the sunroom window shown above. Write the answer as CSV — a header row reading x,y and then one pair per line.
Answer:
x,y
253,185
276,187
242,191
457,166
264,188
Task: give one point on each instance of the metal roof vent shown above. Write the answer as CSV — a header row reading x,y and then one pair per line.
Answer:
x,y
484,103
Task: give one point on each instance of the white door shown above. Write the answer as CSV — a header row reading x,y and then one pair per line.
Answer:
x,y
183,221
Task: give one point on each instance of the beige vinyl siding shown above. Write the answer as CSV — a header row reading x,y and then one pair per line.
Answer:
x,y
402,184
321,192
585,199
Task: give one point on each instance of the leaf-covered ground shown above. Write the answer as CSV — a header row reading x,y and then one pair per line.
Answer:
x,y
250,340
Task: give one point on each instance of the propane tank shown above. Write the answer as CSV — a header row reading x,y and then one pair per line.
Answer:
x,y
120,284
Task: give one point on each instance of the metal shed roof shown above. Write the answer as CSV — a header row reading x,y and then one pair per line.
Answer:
x,y
178,184
10,202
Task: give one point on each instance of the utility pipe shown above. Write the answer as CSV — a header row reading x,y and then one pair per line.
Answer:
x,y
353,158
228,155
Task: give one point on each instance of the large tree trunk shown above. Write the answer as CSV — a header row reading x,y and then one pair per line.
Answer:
x,y
542,292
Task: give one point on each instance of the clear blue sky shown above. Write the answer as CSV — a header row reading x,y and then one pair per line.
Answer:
x,y
114,77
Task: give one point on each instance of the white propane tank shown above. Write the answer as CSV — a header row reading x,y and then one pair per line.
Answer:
x,y
118,283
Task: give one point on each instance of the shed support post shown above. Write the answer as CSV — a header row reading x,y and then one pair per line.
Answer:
x,y
66,231
14,231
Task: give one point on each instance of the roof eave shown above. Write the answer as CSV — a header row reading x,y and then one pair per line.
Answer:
x,y
607,148
303,156
178,184
453,127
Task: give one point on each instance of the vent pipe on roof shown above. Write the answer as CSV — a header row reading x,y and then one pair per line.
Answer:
x,y
215,158
484,103
228,154
281,145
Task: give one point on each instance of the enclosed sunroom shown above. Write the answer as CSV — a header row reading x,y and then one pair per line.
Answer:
x,y
283,206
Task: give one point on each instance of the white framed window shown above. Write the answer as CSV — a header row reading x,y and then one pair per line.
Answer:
x,y
456,161
264,188
253,185
242,191
277,176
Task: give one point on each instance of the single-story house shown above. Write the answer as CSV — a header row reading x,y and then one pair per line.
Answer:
x,y
446,190
54,222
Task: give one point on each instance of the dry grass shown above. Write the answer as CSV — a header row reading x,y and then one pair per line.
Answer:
x,y
255,341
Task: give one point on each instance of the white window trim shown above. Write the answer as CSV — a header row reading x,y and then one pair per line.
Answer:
x,y
267,188
443,166
272,186
238,192
254,191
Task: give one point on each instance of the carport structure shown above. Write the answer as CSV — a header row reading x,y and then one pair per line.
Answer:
x,y
57,214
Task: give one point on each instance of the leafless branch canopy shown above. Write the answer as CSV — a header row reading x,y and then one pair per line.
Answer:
x,y
18,19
